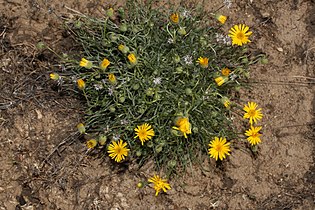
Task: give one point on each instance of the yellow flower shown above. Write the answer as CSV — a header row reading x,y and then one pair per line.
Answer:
x,y
203,62
118,151
124,49
226,102
253,135
225,72
252,113
183,125
81,128
54,76
140,184
159,184
132,58
85,63
144,132
81,84
239,34
220,80
219,148
91,143
112,79
221,18
174,17
110,13
105,63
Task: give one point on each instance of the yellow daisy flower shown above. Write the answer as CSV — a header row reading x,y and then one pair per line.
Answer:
x,y
85,63
226,102
81,84
112,79
81,128
132,59
159,184
144,132
253,135
221,18
174,17
105,63
252,113
225,72
54,76
118,151
219,148
91,143
220,80
239,34
183,125
203,62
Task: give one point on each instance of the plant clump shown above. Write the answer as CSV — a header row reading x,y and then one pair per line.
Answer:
x,y
158,84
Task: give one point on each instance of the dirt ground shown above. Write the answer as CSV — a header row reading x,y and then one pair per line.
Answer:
x,y
35,119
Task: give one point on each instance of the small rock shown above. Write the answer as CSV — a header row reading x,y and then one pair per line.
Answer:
x,y
280,49
265,14
39,114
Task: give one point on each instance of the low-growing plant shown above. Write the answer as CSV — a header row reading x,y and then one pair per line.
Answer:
x,y
157,82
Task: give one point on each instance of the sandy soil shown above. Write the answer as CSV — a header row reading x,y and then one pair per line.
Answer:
x,y
35,120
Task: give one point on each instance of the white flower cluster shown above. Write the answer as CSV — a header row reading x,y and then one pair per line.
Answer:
x,y
227,3
225,39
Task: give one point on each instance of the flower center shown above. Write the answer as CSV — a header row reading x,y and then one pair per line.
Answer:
x,y
118,151
255,135
252,113
143,133
240,35
218,148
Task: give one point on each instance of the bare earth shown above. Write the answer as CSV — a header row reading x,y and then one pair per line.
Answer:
x,y
35,119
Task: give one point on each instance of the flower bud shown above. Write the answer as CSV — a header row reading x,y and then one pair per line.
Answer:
x,y
176,58
102,140
264,60
122,99
245,60
124,49
78,24
123,27
136,86
179,70
110,13
221,18
158,148
150,144
172,163
203,41
112,109
81,128
40,45
182,31
54,76
150,92
140,185
188,91
81,84
138,153
113,37
195,130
